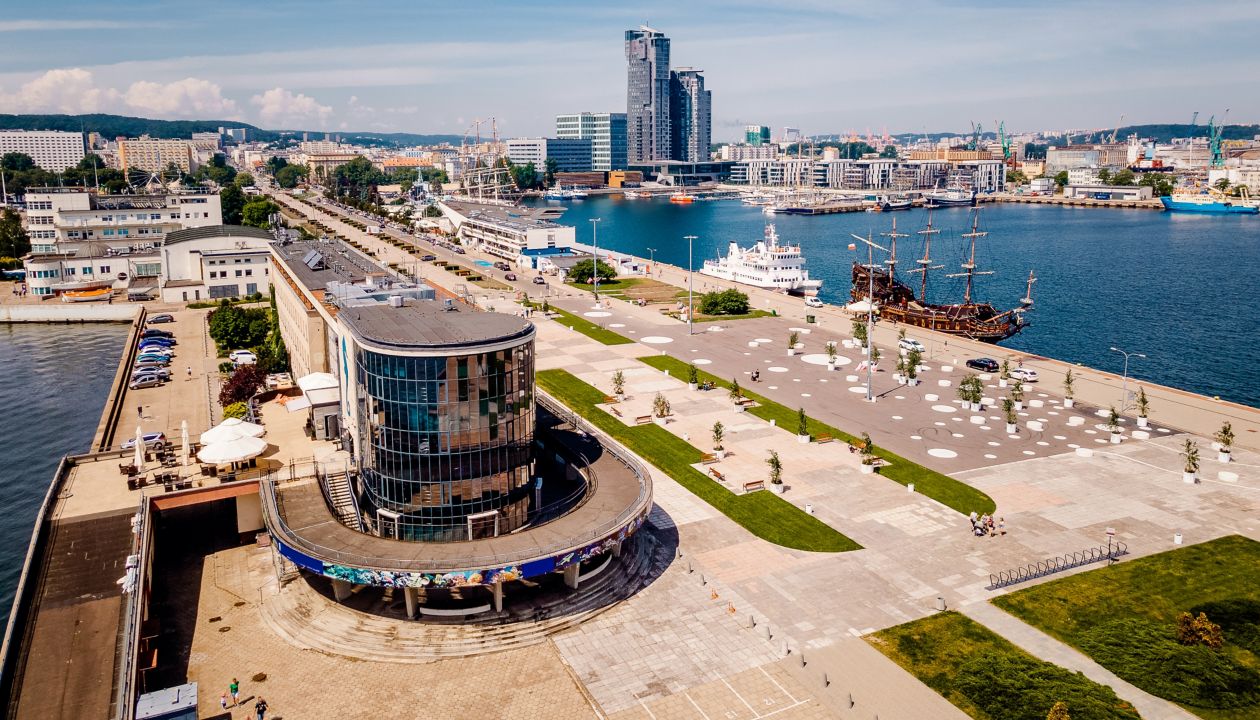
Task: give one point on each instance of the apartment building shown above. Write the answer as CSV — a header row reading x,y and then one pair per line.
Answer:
x,y
156,154
52,150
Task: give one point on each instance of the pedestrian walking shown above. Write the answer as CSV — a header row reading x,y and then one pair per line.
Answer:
x,y
235,688
140,411
190,372
260,708
1001,526
223,701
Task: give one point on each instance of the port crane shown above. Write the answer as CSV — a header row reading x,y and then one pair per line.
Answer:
x,y
976,132
1005,140
1112,139
1214,140
1194,118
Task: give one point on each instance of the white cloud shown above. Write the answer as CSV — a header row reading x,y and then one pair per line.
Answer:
x,y
74,90
190,98
64,91
280,108
60,25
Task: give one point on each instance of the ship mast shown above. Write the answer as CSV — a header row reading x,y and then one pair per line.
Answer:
x,y
970,266
891,262
925,262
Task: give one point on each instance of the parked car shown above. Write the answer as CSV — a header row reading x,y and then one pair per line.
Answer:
x,y
156,343
540,280
239,353
155,352
502,265
813,302
145,381
159,372
154,332
153,440
459,250
910,344
244,358
983,364
509,276
163,318
1027,375
428,258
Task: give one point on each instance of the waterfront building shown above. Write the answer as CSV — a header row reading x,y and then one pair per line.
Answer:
x,y
756,135
606,131
690,115
52,150
871,173
525,236
1084,176
155,155
745,151
648,135
682,172
569,154
1098,191
214,262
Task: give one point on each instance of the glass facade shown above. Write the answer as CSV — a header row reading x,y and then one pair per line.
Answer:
x,y
441,439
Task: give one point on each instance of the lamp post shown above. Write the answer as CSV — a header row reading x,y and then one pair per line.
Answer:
x,y
651,261
1124,383
691,310
595,267
870,312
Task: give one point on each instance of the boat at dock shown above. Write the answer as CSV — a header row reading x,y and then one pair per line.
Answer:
x,y
890,203
87,295
899,302
767,264
952,196
682,198
1208,204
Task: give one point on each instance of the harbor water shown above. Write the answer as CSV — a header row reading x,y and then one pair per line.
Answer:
x,y
1179,288
55,385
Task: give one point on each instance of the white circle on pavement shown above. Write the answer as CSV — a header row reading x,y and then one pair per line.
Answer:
x,y
656,340
776,368
821,359
823,380
956,419
1013,436
773,387
796,379
958,434
632,332
803,331
916,437
895,397
617,325
701,361
1029,452
857,389
1227,476
761,340
938,423
944,408
806,395
1073,445
942,453
1161,429
597,313
1091,432
1042,443
748,353
1052,412
1060,437
994,444
1101,440
897,417
990,456
851,378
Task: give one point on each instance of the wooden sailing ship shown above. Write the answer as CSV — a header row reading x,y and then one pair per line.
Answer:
x,y
898,302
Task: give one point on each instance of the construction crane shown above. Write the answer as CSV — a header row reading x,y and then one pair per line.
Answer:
x,y
1112,140
976,132
1214,140
1005,140
1194,118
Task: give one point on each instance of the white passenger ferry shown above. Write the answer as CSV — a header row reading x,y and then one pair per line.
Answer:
x,y
765,265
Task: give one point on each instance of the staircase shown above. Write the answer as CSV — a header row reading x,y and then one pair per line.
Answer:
x,y
307,619
341,499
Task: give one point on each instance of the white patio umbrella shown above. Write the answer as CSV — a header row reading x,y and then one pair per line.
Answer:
x,y
138,460
230,451
183,441
230,429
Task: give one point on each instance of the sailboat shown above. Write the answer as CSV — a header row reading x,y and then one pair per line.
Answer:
x,y
898,302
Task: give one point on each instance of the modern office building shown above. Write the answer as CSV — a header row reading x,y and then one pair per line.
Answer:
x,y
756,135
606,131
569,154
690,115
156,154
52,150
520,235
214,262
648,134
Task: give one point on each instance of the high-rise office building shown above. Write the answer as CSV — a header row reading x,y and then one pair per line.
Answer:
x,y
690,115
647,95
606,131
756,135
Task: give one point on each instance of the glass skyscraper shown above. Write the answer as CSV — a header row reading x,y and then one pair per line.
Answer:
x,y
690,115
606,131
648,135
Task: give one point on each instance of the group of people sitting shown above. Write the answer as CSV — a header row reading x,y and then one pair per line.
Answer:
x,y
982,525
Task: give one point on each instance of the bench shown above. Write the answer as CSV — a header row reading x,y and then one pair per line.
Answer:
x,y
744,401
614,411
858,447
823,439
708,458
717,475
754,485
454,612
643,420
609,399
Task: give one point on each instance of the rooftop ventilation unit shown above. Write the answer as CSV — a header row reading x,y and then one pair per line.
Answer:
x,y
448,304
396,301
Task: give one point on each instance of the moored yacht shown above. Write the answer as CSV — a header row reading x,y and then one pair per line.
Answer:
x,y
766,264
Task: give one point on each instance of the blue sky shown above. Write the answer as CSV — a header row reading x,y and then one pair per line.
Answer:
x,y
823,66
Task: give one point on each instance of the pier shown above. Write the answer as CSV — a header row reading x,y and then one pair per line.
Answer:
x,y
1153,204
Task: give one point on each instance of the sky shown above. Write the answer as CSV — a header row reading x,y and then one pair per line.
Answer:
x,y
823,66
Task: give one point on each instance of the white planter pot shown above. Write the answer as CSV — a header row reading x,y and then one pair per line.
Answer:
x,y
912,381
692,386
802,439
1142,421
901,380
1019,404
1001,383
1222,456
791,352
1068,402
976,407
621,397
660,421
831,367
1189,478
738,408
719,454
1115,438
867,469
1011,428
776,489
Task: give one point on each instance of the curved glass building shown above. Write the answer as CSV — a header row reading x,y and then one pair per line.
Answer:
x,y
441,418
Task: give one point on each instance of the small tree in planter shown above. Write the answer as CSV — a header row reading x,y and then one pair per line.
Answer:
x,y
619,385
1017,394
831,356
718,433
546,308
1068,381
971,392
660,408
1005,375
1190,461
868,455
1143,407
793,338
1008,408
693,377
859,331
776,471
875,355
802,426
736,394
1113,425
1224,442
913,359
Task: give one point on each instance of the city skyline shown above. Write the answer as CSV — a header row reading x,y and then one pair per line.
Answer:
x,y
822,67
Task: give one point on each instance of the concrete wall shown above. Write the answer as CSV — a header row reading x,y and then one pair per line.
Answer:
x,y
249,516
54,312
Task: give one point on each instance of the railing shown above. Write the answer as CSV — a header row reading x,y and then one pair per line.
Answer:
x,y
129,638
278,526
1056,564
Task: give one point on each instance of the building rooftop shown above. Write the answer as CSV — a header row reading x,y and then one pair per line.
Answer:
x,y
432,324
513,216
337,262
214,231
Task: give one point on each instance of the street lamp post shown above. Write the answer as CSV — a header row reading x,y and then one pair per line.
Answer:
x,y
691,309
595,267
870,313
651,261
1124,383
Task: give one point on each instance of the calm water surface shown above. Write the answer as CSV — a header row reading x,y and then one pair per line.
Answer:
x,y
1179,288
56,378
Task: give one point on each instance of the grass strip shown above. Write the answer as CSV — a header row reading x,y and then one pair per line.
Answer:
x,y
941,488
588,328
764,514
987,677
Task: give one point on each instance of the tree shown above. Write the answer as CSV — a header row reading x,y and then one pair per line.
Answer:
x,y
241,386
1123,177
257,212
549,175
525,176
275,164
1161,186
17,162
1104,176
1199,631
1061,179
1059,712
232,202
1222,184
232,327
725,302
776,468
235,410
14,242
290,175
584,270
243,180
889,151
1016,177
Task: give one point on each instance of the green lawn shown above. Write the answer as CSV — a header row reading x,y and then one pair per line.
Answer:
x,y
588,328
942,488
764,514
987,677
1124,617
